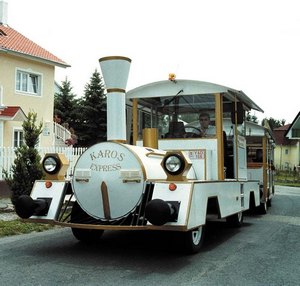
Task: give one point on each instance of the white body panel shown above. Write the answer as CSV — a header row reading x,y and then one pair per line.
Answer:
x,y
255,174
116,117
56,192
202,153
232,196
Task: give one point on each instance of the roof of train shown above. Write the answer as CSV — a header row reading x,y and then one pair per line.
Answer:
x,y
188,87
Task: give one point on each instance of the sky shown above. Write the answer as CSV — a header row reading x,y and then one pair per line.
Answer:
x,y
248,45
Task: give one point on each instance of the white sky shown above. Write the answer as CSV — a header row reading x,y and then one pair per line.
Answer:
x,y
249,45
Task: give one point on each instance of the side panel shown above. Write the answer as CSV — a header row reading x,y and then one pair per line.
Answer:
x,y
182,194
55,195
232,197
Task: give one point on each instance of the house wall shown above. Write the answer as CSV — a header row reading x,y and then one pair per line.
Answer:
x,y
42,105
283,160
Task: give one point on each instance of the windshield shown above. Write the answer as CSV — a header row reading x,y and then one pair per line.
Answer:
x,y
178,116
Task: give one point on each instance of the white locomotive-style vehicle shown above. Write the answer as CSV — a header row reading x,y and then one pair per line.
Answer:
x,y
160,169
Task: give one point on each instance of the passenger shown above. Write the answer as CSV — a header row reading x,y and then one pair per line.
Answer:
x,y
259,156
206,129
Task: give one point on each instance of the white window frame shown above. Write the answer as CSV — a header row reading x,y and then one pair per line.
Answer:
x,y
19,131
28,82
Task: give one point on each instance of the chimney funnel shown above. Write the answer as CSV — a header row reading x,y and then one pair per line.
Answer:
x,y
115,70
3,13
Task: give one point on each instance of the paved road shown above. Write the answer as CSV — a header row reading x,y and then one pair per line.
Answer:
x,y
265,251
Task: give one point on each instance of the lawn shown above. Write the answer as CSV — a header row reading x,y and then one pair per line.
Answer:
x,y
14,227
287,178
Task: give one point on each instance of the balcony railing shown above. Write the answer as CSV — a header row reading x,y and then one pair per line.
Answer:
x,y
60,132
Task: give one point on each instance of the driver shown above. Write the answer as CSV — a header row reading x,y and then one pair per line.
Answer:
x,y
206,129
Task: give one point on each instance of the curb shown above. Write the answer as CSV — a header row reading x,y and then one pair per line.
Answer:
x,y
6,208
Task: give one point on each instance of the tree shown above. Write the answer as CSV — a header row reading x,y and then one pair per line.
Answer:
x,y
274,123
251,118
27,167
65,105
92,113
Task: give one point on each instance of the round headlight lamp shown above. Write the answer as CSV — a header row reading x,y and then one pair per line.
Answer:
x,y
51,164
173,164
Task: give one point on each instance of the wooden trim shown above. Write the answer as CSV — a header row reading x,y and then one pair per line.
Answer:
x,y
118,141
105,200
112,90
188,212
134,121
236,169
254,165
219,128
109,58
265,167
123,227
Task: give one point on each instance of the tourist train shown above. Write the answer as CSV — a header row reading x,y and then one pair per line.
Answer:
x,y
160,169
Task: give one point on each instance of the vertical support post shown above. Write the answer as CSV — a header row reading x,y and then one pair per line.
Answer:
x,y
219,128
265,168
134,121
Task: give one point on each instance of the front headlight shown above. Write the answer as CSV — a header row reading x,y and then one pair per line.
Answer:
x,y
173,164
51,164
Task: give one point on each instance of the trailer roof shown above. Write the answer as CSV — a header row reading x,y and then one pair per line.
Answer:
x,y
187,87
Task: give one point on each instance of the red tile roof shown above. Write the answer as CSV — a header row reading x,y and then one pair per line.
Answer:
x,y
11,40
10,112
279,135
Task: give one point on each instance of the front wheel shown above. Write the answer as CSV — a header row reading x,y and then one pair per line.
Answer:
x,y
192,240
87,235
78,215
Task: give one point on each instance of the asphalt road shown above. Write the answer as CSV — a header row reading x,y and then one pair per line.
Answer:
x,y
265,251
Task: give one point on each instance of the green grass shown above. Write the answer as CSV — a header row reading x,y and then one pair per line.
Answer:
x,y
289,179
14,227
288,184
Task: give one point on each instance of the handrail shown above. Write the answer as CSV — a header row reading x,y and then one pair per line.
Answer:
x,y
61,132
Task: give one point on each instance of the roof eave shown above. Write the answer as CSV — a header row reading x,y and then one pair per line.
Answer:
x,y
35,58
296,121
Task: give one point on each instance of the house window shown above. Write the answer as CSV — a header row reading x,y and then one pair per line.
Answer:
x,y
28,82
295,133
18,138
286,151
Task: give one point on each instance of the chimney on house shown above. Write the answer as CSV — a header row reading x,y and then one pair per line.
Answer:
x,y
3,13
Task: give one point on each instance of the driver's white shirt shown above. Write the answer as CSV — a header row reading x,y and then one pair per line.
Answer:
x,y
211,130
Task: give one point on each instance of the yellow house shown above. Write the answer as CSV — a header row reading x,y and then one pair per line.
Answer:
x,y
26,84
293,133
287,150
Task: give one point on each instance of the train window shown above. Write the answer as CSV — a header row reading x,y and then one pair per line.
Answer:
x,y
178,116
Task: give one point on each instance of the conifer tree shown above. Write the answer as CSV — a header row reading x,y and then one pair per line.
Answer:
x,y
65,105
27,167
92,113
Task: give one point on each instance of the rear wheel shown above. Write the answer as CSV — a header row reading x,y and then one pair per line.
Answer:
x,y
235,220
262,209
78,215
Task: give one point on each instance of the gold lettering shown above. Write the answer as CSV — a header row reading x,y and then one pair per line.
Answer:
x,y
105,168
93,156
121,156
109,154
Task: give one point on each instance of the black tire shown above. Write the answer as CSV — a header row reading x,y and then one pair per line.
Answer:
x,y
78,215
235,220
192,240
262,208
269,203
87,235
